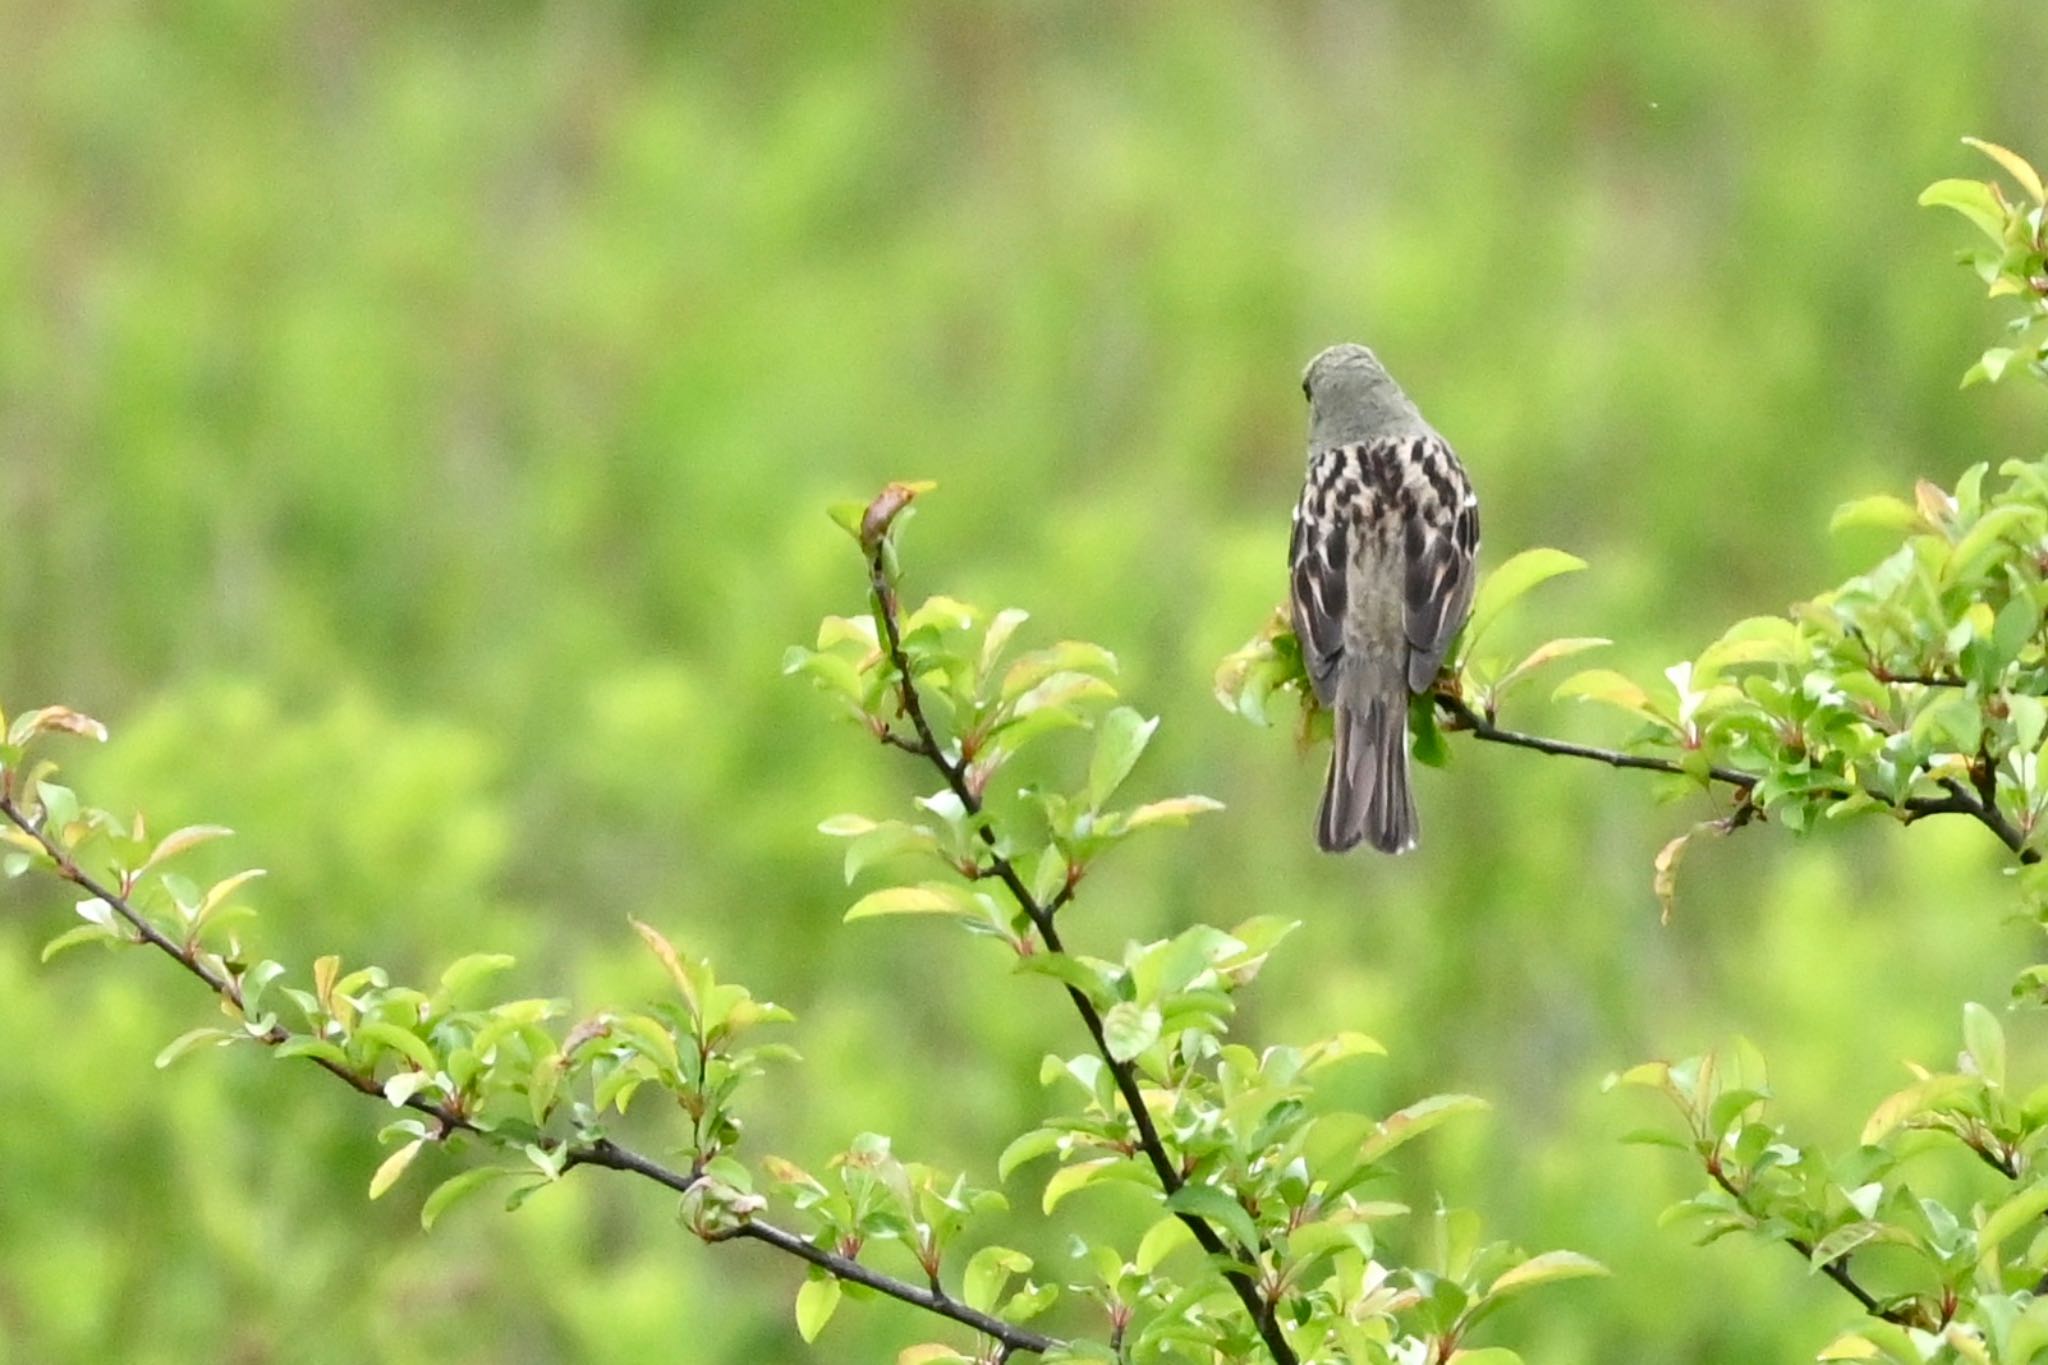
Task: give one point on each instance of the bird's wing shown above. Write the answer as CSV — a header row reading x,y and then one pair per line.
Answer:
x,y
1319,556
1443,543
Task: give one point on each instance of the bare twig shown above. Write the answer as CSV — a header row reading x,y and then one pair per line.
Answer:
x,y
1042,917
1482,727
602,1153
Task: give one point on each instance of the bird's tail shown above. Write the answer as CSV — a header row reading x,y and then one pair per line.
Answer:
x,y
1366,794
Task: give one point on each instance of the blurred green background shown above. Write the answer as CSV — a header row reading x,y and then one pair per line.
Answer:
x,y
414,425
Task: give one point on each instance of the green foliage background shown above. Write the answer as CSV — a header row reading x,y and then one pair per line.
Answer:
x,y
413,425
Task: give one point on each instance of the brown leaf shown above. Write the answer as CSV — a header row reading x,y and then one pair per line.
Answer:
x,y
887,506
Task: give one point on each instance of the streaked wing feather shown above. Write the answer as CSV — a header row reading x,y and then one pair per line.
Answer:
x,y
1318,589
1443,543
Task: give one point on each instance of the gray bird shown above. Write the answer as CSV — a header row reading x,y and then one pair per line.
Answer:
x,y
1382,573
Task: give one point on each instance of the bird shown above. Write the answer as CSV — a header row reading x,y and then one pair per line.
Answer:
x,y
1381,572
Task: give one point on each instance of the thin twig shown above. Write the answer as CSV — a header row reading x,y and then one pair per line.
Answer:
x,y
602,1153
1482,727
1836,1270
1981,807
1042,917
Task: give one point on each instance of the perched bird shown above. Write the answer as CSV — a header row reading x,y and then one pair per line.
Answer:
x,y
1382,572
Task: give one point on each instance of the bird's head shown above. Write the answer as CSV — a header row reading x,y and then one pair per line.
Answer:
x,y
1351,397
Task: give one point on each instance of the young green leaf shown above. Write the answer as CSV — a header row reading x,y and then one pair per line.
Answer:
x,y
1120,738
932,898
815,1304
455,1189
1548,1268
1129,1029
186,1042
1217,1206
393,1167
1500,589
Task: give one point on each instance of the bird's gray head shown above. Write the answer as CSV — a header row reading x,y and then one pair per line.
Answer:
x,y
1351,397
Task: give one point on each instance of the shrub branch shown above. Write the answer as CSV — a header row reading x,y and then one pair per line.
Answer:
x,y
1836,1270
602,1153
1980,805
1043,917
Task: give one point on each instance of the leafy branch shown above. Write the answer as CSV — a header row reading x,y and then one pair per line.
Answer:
x,y
32,807
1043,920
1244,1162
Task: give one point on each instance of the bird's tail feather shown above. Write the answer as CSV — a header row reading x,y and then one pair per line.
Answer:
x,y
1366,795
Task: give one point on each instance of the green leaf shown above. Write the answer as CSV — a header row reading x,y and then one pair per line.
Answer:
x,y
1028,1147
988,1271
1754,640
1129,1029
1406,1124
312,1047
944,613
1029,1302
815,1304
1161,1240
1056,696
998,635
1990,367
1543,654
1916,1099
456,1188
465,972
1844,1240
1217,1206
394,1166
84,933
1120,738
1999,526
1173,811
2014,1214
400,1040
1429,746
177,841
1069,656
1882,512
1083,976
2017,621
931,1353
185,1042
1068,1179
1971,198
889,839
831,672
932,898
1548,1268
1504,585
1985,1042
1853,1346
1606,685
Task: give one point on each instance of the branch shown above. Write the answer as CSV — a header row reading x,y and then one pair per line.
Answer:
x,y
611,1156
1981,806
602,1153
1482,727
1042,917
1836,1270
